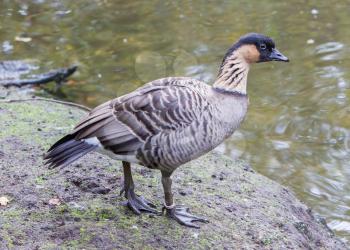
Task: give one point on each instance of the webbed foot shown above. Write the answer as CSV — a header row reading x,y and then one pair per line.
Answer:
x,y
181,215
138,204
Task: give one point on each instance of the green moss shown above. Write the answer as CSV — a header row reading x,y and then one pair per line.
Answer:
x,y
72,244
96,210
49,246
25,119
40,180
85,236
237,202
12,214
7,238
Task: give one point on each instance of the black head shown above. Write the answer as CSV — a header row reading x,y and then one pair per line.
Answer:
x,y
258,48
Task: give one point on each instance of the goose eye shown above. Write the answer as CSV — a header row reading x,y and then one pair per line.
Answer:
x,y
263,46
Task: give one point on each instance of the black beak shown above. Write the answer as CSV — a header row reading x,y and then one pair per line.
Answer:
x,y
278,56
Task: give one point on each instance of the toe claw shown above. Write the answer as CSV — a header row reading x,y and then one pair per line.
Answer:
x,y
132,205
138,204
146,202
189,224
182,215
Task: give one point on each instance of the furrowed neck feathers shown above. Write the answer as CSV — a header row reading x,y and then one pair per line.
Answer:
x,y
233,74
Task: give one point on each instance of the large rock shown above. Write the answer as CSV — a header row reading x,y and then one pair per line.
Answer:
x,y
80,207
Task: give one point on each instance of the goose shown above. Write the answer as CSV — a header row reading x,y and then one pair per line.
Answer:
x,y
168,122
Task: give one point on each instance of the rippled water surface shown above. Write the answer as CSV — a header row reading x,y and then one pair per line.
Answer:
x,y
297,129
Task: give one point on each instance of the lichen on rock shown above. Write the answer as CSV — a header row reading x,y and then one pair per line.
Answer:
x,y
246,210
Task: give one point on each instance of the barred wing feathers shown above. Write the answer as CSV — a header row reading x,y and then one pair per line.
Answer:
x,y
141,126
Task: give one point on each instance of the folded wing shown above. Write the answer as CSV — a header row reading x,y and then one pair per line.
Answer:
x,y
124,124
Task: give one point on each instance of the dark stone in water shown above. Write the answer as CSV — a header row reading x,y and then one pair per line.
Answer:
x,y
19,73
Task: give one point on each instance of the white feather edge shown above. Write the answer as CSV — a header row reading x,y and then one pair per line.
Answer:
x,y
95,142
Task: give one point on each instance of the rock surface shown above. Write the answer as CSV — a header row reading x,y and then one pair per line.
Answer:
x,y
79,207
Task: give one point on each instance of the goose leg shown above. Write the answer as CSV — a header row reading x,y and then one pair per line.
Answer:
x,y
136,203
179,213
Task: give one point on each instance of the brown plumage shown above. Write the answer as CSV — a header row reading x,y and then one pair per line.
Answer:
x,y
168,122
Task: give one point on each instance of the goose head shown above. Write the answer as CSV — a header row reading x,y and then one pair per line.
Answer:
x,y
250,48
256,48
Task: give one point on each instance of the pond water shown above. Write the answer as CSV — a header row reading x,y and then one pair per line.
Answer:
x,y
297,128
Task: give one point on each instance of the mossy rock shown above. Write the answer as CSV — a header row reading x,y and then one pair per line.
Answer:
x,y
246,210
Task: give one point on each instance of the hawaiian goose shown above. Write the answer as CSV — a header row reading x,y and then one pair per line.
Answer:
x,y
168,122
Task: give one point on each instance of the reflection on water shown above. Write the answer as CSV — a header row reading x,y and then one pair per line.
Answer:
x,y
297,128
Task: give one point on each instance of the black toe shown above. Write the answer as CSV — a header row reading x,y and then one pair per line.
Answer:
x,y
139,204
181,215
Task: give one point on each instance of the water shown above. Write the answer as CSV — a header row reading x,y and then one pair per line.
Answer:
x,y
297,129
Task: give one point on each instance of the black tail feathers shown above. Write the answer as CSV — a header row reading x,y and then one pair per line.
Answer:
x,y
66,151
